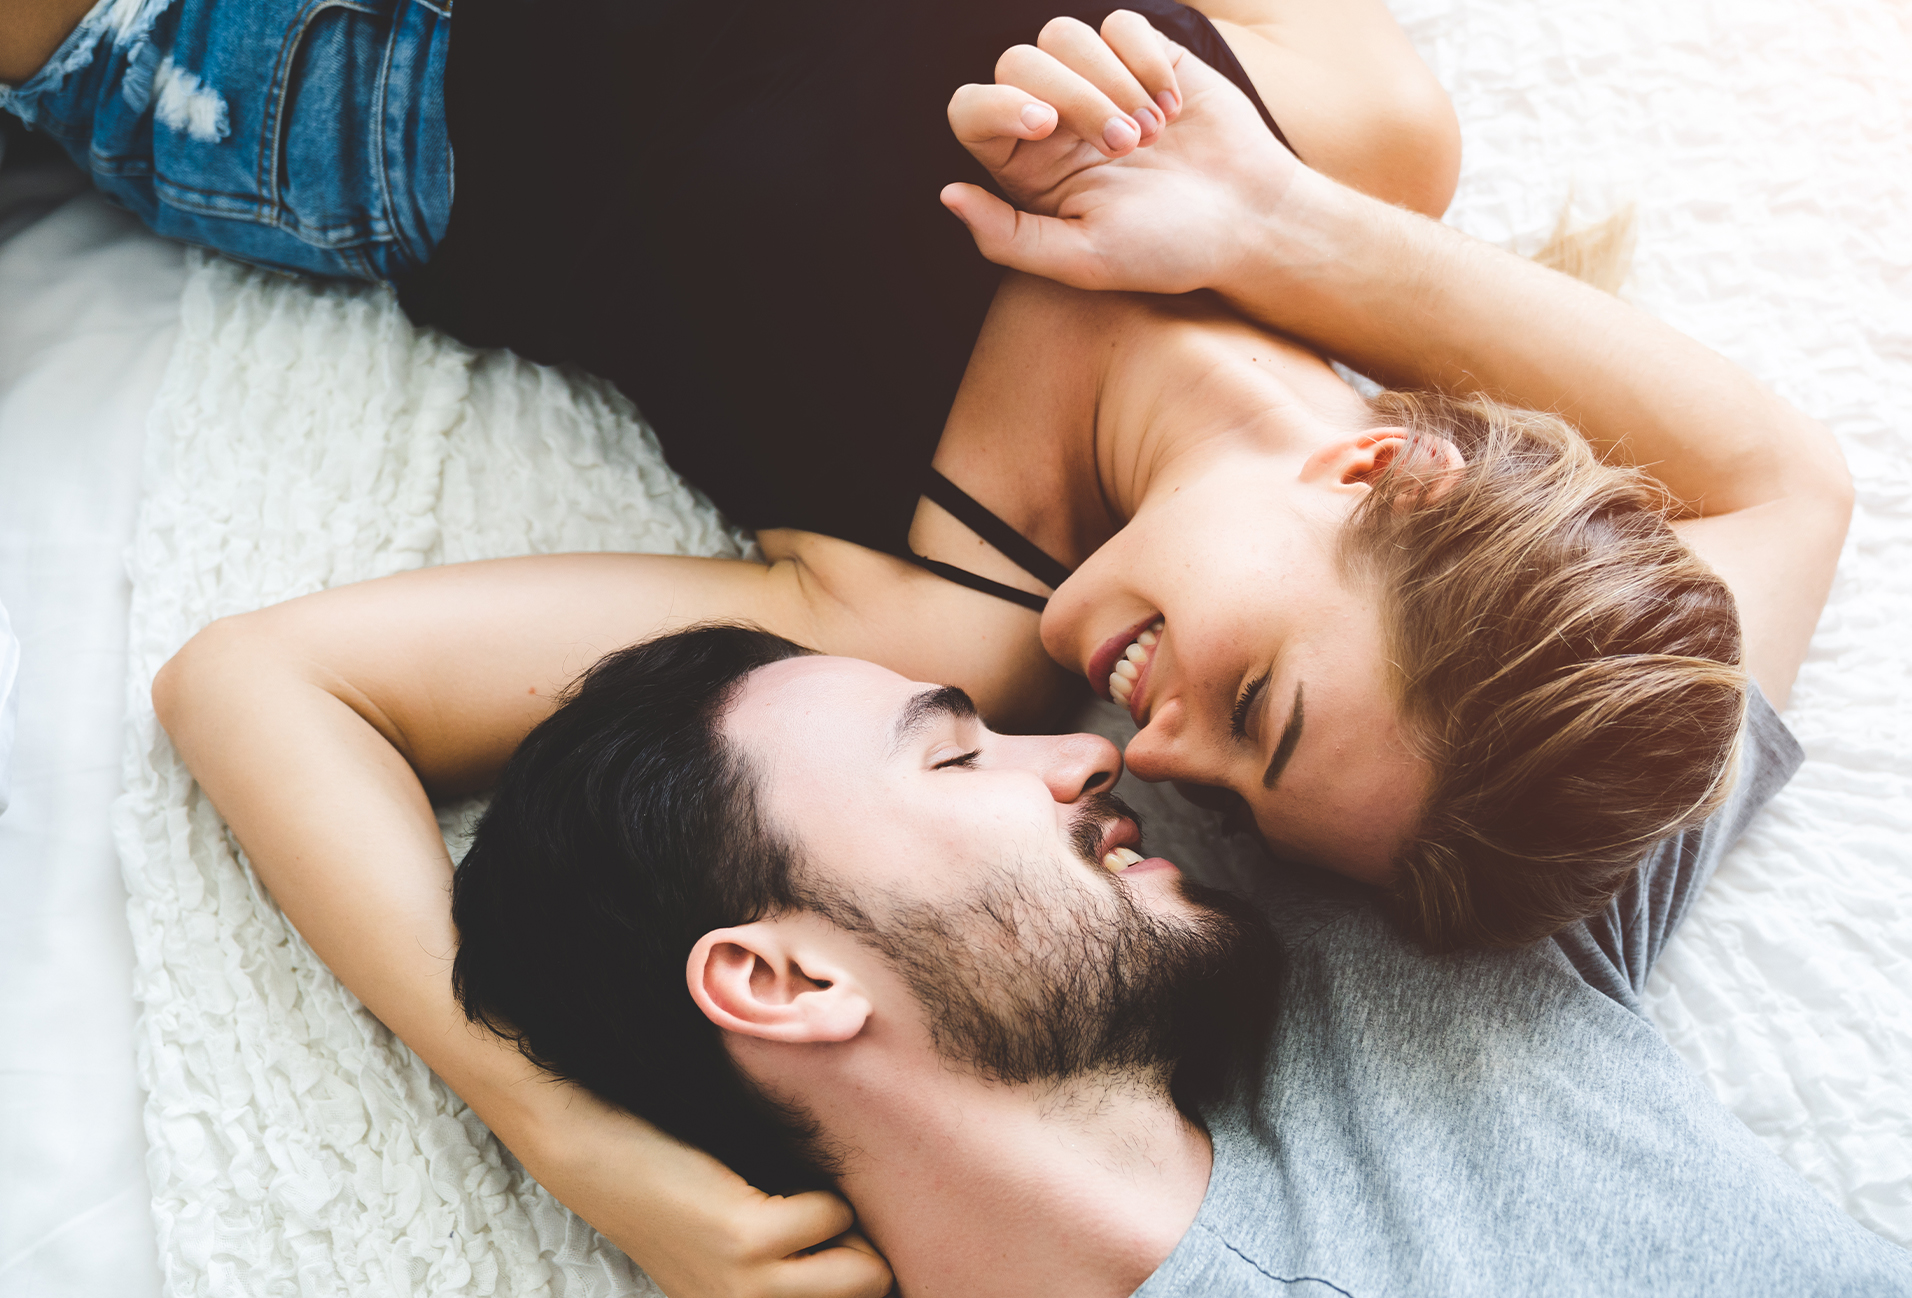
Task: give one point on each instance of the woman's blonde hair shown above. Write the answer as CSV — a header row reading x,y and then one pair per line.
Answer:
x,y
1568,668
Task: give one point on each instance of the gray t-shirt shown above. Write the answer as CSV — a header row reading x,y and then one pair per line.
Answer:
x,y
1508,1122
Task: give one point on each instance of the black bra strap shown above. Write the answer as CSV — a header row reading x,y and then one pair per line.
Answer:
x,y
1010,543
963,577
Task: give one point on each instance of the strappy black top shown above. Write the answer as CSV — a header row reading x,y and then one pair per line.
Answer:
x,y
729,208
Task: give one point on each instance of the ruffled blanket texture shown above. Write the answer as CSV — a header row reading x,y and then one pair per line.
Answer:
x,y
307,436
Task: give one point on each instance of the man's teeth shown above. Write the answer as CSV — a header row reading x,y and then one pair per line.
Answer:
x,y
1120,859
1131,663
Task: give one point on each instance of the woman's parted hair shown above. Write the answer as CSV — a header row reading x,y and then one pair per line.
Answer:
x,y
1568,668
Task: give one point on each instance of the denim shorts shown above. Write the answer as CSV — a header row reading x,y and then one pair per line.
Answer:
x,y
305,135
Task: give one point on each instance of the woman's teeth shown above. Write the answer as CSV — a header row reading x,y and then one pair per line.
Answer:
x,y
1120,859
1131,663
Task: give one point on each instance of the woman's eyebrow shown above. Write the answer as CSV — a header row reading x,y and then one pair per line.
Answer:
x,y
1290,736
926,708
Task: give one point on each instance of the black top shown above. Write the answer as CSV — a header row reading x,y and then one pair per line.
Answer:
x,y
729,209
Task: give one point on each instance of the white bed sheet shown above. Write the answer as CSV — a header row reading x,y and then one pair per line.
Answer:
x,y
88,307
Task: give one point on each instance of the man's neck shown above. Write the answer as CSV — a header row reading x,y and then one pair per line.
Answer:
x,y
975,1188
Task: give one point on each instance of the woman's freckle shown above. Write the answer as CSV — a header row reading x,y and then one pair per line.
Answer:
x,y
532,690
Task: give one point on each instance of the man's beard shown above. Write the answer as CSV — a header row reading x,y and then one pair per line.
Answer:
x,y
1036,976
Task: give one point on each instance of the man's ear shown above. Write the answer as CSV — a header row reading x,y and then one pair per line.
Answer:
x,y
1352,465
773,981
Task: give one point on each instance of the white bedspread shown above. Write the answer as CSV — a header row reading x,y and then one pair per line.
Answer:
x,y
307,437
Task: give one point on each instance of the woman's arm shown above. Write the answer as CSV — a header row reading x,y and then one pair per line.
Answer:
x,y
317,728
1351,94
1765,489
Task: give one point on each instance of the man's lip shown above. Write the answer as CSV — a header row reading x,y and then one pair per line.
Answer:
x,y
1152,865
1102,662
1120,832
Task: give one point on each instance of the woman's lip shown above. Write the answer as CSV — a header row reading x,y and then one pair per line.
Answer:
x,y
1103,660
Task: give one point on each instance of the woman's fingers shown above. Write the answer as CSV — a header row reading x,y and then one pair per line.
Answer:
x,y
821,1256
793,1223
1078,47
990,119
1040,245
1149,57
835,1272
1085,109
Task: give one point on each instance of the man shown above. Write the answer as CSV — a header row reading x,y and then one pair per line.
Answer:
x,y
806,913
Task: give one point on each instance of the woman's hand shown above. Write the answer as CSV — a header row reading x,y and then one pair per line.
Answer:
x,y
1131,164
695,1226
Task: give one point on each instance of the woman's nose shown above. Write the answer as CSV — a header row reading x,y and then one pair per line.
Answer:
x,y
1155,753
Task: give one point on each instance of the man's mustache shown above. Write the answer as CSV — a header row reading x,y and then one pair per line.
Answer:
x,y
1092,823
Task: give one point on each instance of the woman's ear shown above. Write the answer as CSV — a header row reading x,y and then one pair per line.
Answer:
x,y
1353,464
774,981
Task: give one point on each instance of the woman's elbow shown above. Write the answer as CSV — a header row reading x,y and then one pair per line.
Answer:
x,y
191,676
1414,138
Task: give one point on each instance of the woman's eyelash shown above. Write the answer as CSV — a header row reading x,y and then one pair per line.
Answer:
x,y
1244,703
967,759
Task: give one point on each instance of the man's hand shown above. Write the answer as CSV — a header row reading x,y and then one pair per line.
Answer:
x,y
1131,164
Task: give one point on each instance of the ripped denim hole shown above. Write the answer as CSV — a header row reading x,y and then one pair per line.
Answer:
x,y
186,104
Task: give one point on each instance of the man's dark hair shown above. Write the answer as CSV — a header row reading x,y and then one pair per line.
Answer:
x,y
623,830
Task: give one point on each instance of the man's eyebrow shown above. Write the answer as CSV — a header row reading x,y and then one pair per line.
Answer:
x,y
927,707
1290,736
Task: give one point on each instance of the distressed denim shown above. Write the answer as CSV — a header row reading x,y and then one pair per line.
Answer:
x,y
305,135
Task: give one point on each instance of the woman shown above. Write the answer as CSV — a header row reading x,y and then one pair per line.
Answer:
x,y
812,337
1081,421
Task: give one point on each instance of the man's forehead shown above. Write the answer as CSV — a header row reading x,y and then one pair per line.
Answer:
x,y
830,701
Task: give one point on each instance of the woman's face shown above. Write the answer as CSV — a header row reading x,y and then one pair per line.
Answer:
x,y
1268,673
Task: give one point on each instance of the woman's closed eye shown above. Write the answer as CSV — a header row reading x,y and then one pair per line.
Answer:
x,y
963,759
1245,705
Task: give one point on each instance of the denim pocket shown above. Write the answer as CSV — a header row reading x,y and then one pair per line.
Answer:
x,y
327,167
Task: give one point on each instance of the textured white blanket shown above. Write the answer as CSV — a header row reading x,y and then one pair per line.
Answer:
x,y
307,437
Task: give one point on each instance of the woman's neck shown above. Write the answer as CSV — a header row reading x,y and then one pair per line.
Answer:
x,y
1076,406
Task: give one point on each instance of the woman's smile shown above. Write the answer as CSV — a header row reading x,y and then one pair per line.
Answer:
x,y
1128,658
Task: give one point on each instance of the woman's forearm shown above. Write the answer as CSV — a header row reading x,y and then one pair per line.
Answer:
x,y
339,829
1764,488
1415,303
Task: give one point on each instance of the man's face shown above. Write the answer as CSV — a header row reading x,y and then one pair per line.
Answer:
x,y
994,872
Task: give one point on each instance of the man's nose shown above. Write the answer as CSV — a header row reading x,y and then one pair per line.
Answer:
x,y
1072,765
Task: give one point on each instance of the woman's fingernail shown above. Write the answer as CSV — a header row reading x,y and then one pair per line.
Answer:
x,y
1120,133
1169,103
1036,116
1151,120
